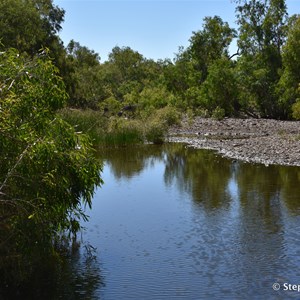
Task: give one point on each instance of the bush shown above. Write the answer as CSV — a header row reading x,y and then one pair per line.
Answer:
x,y
110,106
158,122
155,131
47,169
157,97
122,132
202,112
218,113
167,115
296,110
88,121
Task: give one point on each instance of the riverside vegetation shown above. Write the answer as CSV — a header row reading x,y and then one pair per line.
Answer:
x,y
116,131
58,101
260,80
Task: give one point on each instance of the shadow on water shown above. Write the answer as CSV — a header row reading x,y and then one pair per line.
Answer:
x,y
77,276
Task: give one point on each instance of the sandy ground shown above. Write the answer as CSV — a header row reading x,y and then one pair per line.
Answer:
x,y
252,140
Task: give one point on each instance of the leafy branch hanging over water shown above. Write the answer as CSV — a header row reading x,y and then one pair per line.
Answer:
x,y
48,171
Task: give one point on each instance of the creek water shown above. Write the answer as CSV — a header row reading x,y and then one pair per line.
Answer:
x,y
171,222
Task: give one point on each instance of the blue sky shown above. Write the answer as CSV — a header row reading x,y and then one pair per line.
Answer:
x,y
153,28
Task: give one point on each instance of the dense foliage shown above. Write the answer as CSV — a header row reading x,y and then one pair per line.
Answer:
x,y
256,81
48,170
260,80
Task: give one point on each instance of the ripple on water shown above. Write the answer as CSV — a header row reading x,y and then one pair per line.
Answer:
x,y
191,241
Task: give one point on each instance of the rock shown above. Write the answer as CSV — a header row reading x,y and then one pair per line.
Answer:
x,y
262,141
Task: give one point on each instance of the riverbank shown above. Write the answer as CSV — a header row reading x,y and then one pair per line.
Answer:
x,y
252,140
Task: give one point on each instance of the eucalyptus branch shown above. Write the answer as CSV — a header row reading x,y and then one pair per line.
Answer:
x,y
11,171
11,84
13,202
235,54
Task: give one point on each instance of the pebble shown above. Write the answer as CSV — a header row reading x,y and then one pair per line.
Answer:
x,y
268,142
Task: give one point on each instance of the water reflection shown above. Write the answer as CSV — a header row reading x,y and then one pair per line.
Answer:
x,y
207,176
76,277
194,172
127,162
177,223
80,277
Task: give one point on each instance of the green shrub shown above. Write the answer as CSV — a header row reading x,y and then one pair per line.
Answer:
x,y
157,97
123,131
156,125
167,115
110,106
87,121
296,110
218,113
114,130
202,112
155,131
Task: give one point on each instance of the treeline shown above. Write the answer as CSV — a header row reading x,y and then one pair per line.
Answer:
x,y
260,80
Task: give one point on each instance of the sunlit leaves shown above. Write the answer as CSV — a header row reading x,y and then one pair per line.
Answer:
x,y
29,25
47,169
289,84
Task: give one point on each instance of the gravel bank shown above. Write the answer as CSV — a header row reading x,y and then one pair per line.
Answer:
x,y
252,140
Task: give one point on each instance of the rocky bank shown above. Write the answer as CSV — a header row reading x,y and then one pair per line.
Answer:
x,y
253,140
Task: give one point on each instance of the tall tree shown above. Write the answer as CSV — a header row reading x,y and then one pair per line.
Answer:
x,y
29,25
83,77
262,34
190,69
262,23
127,61
210,43
82,55
289,85
220,90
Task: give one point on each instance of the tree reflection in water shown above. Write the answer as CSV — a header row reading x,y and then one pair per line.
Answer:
x,y
203,174
207,176
233,225
235,221
77,277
